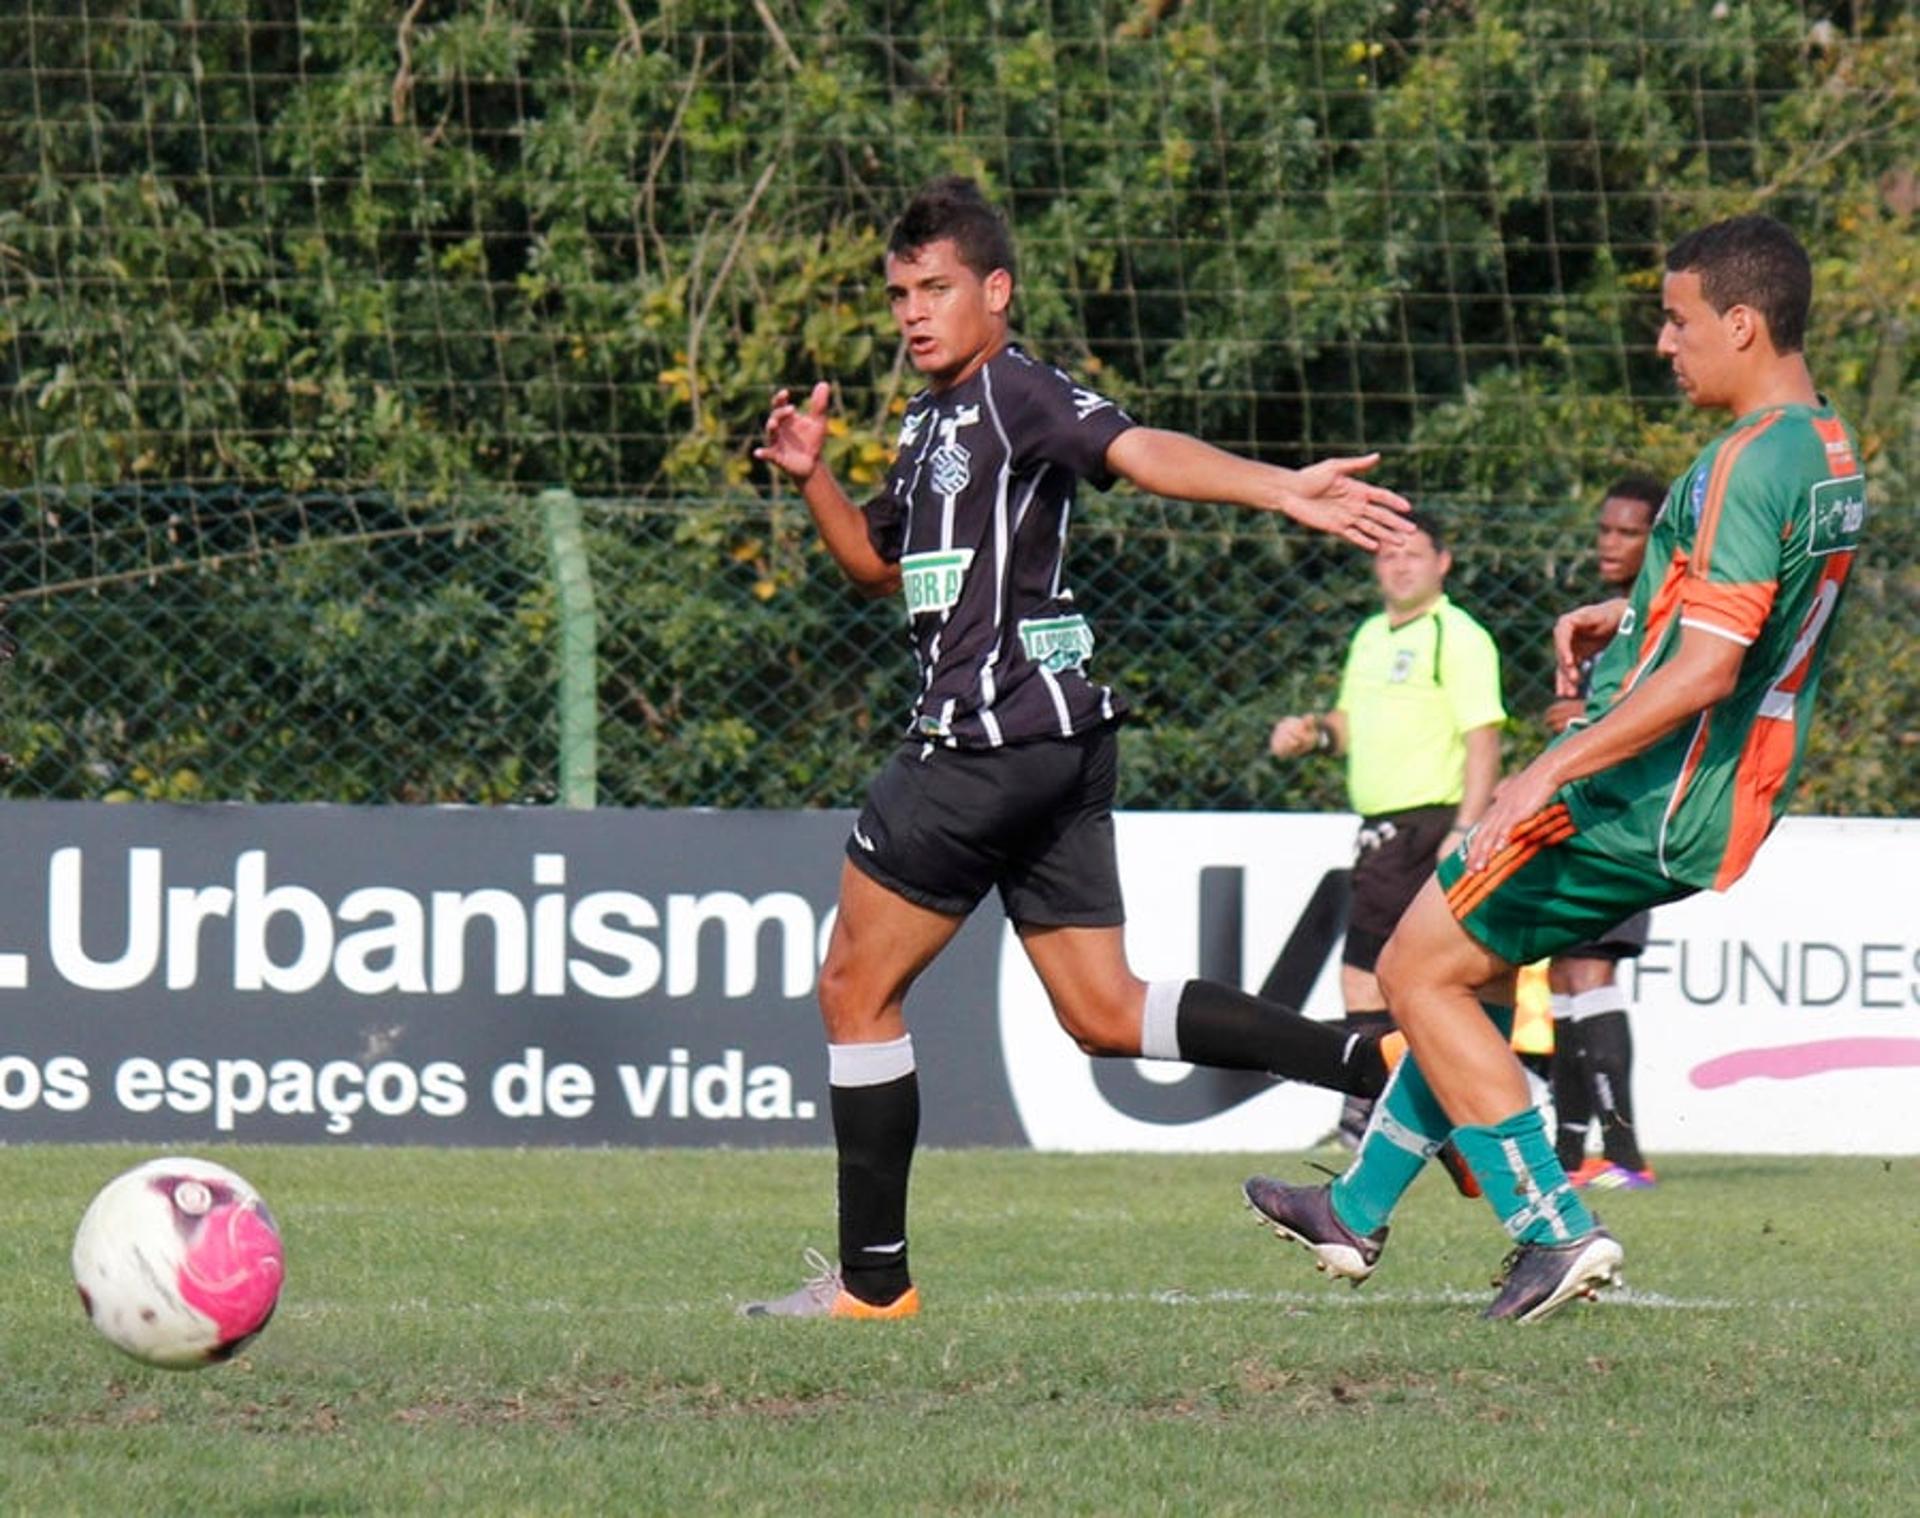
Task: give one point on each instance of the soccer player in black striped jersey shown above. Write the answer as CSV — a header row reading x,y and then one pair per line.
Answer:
x,y
1005,778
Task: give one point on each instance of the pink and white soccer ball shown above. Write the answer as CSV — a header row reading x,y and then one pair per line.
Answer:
x,y
178,1262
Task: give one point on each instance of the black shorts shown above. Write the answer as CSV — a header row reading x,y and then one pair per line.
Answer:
x,y
943,826
1627,940
1392,859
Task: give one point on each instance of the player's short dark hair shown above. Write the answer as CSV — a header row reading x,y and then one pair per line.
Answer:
x,y
955,207
1427,522
1752,261
1636,486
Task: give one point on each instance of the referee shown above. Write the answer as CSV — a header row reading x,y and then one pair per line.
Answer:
x,y
1418,723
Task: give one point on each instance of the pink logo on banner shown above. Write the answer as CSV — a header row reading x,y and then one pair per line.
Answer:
x,y
233,1270
1793,1061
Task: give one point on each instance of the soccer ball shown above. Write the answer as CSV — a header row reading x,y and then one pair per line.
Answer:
x,y
178,1262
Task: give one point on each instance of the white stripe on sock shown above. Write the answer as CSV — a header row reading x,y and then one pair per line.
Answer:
x,y
1160,1020
1600,999
870,1064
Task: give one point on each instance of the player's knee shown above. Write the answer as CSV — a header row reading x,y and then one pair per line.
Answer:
x,y
1396,972
846,1003
1104,1026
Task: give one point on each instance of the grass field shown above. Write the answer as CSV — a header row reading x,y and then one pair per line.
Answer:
x,y
535,1332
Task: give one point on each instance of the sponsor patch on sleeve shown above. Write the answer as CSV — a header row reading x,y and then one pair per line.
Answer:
x,y
1839,509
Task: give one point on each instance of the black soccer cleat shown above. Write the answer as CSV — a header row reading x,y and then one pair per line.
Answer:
x,y
1305,1215
1537,1280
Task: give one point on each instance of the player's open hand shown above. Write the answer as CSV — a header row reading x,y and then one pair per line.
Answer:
x,y
1332,497
1515,800
1578,636
796,436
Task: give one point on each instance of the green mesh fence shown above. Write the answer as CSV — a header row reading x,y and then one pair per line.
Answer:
x,y
205,644
303,305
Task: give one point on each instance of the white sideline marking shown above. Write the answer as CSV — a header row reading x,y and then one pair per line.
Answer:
x,y
1344,1301
1349,1300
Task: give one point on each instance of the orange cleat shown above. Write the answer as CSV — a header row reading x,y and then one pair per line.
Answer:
x,y
847,1305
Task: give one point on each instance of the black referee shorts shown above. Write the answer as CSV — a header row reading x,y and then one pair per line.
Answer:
x,y
1393,857
943,826
1627,940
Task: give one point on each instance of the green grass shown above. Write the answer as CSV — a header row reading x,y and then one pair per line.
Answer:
x,y
510,1332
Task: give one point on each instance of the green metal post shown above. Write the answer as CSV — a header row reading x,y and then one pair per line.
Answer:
x,y
579,634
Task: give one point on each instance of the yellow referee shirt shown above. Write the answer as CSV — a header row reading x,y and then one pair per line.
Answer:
x,y
1411,694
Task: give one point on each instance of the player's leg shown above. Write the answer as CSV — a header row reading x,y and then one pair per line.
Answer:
x,y
1408,1128
1108,1010
1393,856
880,943
1599,1011
1430,969
1344,1225
1061,887
1567,1076
1366,1014
918,859
1551,890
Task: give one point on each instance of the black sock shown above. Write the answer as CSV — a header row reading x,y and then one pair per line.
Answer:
x,y
1369,1022
1572,1105
1231,1030
875,1128
1608,1041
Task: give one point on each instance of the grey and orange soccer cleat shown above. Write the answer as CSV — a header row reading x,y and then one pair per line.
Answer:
x,y
822,1295
1305,1215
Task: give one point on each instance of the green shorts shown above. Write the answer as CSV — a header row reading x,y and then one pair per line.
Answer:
x,y
1549,890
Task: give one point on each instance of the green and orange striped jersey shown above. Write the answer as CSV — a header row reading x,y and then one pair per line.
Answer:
x,y
1754,543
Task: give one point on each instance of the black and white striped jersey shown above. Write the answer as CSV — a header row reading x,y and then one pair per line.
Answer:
x,y
975,512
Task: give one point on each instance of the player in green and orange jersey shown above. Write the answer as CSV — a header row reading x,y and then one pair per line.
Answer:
x,y
1692,740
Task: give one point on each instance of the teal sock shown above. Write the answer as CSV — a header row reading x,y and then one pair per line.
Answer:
x,y
1521,1177
1409,1126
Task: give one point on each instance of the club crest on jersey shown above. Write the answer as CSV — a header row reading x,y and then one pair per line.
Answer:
x,y
931,582
951,466
1697,496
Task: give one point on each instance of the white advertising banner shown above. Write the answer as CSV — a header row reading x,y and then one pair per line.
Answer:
x,y
1783,1016
1780,1017
418,975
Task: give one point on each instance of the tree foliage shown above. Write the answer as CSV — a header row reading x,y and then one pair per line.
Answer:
x,y
451,254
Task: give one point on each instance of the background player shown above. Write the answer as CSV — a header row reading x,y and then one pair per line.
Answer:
x,y
1701,703
1007,776
1592,1069
1418,721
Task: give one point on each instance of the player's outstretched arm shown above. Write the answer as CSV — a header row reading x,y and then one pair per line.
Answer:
x,y
795,437
1703,670
1330,496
